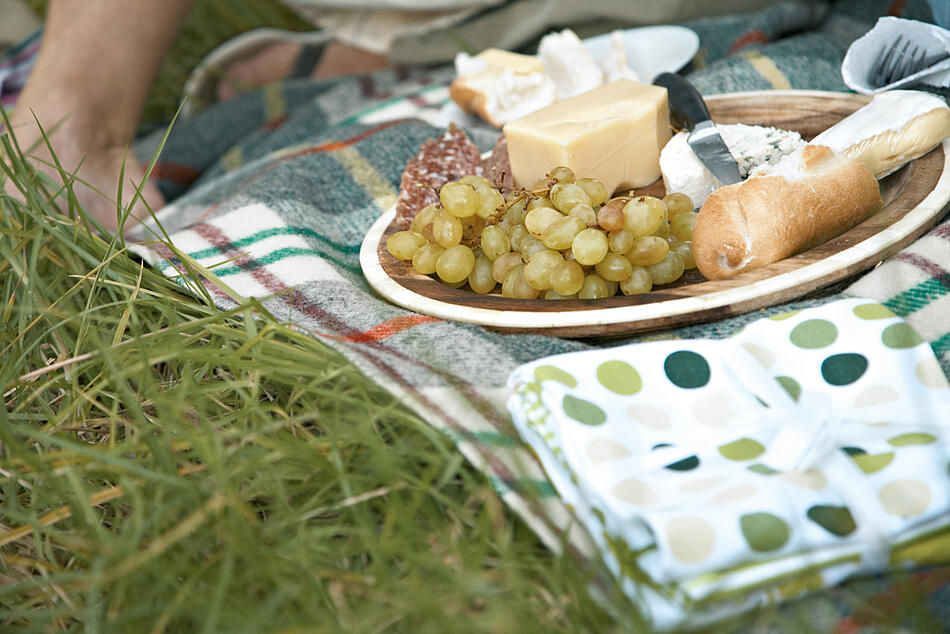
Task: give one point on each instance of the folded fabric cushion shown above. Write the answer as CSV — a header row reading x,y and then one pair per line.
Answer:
x,y
808,448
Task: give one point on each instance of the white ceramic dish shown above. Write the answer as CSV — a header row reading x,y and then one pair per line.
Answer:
x,y
651,49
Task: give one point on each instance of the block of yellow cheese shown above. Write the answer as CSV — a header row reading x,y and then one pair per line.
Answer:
x,y
613,133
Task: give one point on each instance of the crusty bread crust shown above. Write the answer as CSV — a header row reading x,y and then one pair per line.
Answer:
x,y
768,218
471,100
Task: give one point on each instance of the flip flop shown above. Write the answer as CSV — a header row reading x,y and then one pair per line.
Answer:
x,y
200,89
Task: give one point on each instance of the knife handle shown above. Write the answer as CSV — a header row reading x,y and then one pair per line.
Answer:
x,y
686,104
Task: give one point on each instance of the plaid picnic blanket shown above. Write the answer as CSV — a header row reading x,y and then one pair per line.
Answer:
x,y
275,190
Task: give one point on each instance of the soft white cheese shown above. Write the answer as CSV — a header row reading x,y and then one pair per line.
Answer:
x,y
615,65
896,127
568,62
752,146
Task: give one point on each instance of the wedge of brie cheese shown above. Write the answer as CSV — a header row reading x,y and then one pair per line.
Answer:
x,y
751,146
895,128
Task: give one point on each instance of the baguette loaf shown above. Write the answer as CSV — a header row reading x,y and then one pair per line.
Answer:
x,y
810,197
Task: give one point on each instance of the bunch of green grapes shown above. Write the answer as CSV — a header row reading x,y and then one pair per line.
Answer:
x,y
559,239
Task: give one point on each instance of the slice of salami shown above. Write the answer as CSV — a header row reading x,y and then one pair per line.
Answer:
x,y
439,161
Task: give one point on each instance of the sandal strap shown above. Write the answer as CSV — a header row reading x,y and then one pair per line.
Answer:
x,y
306,60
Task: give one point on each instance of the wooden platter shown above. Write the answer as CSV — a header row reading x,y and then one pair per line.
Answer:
x,y
915,198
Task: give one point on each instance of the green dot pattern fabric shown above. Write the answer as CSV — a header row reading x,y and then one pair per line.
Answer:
x,y
746,467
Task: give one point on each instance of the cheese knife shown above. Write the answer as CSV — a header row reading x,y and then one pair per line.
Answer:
x,y
687,105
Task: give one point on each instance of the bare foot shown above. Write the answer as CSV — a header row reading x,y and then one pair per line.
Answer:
x,y
99,159
275,62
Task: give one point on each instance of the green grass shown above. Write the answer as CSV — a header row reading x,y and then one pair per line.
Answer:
x,y
169,467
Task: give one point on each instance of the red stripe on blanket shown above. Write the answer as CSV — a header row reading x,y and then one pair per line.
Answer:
x,y
176,173
755,36
942,231
317,149
926,265
896,8
386,329
275,123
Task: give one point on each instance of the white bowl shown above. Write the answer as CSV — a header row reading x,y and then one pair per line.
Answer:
x,y
651,50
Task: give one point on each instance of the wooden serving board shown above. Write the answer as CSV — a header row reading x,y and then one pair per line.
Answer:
x,y
915,198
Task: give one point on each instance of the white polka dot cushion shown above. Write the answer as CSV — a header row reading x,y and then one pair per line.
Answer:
x,y
809,447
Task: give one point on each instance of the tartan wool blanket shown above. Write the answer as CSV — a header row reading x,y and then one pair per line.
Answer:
x,y
274,191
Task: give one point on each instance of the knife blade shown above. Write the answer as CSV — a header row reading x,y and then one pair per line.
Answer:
x,y
687,105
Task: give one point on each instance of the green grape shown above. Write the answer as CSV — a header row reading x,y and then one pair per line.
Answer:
x,y
489,200
586,213
560,233
638,282
664,230
540,185
612,287
425,259
677,203
425,217
667,271
567,278
516,286
404,244
475,181
459,199
529,247
455,264
590,246
471,228
494,242
684,248
517,236
620,241
539,219
537,272
446,229
501,267
517,210
534,203
566,196
561,174
614,267
681,225
643,215
648,250
593,288
594,189
480,279
610,217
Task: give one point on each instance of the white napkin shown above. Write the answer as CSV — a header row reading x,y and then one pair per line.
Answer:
x,y
866,50
805,449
